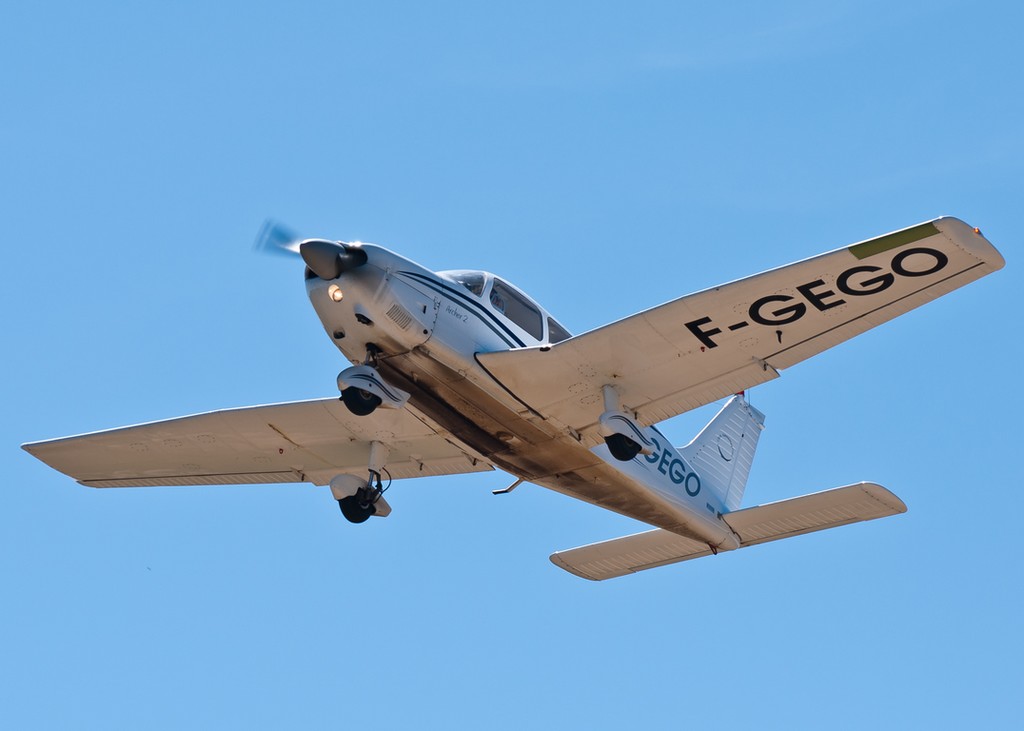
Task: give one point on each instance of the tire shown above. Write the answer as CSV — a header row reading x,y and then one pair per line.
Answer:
x,y
355,508
360,402
622,447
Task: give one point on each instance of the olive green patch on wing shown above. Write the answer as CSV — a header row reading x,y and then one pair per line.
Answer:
x,y
893,240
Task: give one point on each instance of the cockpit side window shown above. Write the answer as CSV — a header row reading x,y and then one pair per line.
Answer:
x,y
517,308
473,281
556,333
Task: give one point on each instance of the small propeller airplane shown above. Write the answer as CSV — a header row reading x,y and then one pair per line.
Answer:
x,y
459,371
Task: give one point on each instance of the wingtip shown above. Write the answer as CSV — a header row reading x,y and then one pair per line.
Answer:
x,y
971,239
885,496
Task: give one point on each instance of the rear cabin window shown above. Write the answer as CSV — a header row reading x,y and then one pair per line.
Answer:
x,y
556,333
517,308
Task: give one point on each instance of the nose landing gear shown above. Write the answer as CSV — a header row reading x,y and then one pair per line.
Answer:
x,y
363,389
359,402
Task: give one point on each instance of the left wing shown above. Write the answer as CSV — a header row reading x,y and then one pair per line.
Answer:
x,y
303,441
702,347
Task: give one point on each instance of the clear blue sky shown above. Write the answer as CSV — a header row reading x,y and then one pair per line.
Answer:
x,y
604,159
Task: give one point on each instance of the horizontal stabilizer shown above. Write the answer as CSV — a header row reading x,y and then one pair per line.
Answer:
x,y
621,556
809,513
759,524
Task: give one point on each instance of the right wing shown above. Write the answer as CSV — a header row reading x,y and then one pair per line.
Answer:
x,y
303,441
708,345
759,524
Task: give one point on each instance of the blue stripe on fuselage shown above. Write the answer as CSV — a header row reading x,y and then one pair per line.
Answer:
x,y
485,315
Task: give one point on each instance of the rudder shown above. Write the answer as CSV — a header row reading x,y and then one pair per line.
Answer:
x,y
724,450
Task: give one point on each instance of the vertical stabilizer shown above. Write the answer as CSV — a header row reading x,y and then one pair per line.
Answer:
x,y
724,450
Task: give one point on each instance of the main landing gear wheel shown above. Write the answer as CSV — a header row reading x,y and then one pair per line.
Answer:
x,y
622,447
359,507
360,403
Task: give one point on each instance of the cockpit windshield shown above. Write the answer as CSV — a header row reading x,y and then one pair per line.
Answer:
x,y
473,281
506,300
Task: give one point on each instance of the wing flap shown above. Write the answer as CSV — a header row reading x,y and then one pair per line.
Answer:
x,y
759,524
304,441
237,478
701,347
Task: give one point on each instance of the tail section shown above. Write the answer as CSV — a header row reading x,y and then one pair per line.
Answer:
x,y
760,524
724,450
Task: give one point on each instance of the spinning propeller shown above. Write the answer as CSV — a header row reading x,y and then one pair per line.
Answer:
x,y
326,259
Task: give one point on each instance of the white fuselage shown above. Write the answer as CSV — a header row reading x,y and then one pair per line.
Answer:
x,y
427,327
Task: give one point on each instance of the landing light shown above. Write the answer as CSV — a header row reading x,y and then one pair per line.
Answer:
x,y
335,293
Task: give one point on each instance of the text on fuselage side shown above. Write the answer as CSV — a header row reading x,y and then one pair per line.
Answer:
x,y
672,466
456,313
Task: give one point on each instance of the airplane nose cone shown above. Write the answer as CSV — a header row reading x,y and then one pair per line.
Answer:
x,y
330,259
